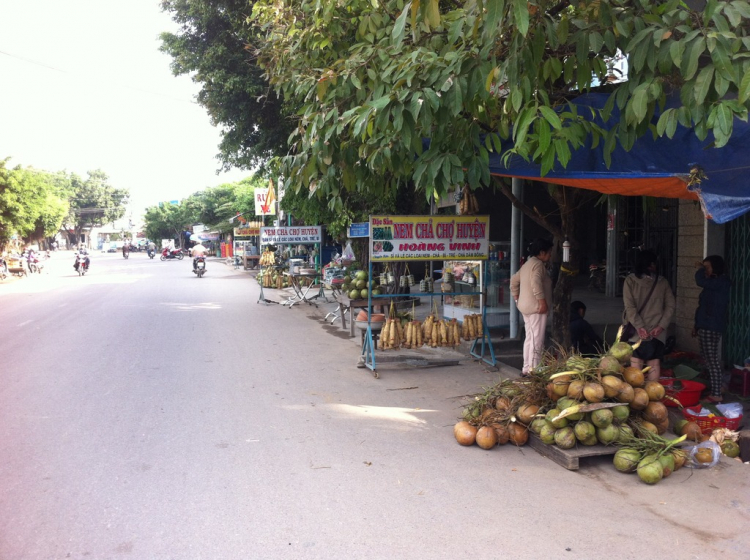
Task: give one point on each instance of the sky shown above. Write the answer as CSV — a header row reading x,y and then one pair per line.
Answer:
x,y
83,86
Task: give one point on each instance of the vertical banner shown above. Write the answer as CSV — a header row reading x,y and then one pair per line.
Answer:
x,y
407,238
265,202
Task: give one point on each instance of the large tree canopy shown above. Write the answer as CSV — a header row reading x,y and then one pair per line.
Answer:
x,y
33,203
371,79
94,202
211,47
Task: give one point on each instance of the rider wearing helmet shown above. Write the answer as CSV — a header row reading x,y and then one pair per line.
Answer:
x,y
82,251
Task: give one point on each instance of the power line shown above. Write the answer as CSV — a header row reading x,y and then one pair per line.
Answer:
x,y
120,84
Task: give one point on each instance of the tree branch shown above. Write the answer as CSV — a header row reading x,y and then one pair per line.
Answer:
x,y
530,212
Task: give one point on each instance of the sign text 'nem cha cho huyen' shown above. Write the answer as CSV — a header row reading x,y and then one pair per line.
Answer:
x,y
409,238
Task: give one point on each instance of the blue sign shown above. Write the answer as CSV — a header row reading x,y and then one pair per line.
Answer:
x,y
359,230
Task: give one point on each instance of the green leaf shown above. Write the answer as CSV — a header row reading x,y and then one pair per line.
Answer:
x,y
724,119
398,29
595,42
696,50
494,11
703,83
521,129
744,89
355,81
432,13
521,16
676,50
545,135
551,117
548,161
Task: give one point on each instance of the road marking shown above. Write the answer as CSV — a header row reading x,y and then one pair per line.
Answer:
x,y
26,323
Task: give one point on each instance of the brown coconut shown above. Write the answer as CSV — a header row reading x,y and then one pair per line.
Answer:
x,y
650,426
519,434
662,426
502,433
655,390
486,437
611,386
560,385
526,413
655,412
626,393
593,392
465,433
502,403
634,376
692,431
551,392
640,399
575,389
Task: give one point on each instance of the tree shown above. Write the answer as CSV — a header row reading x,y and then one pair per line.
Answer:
x,y
32,203
211,48
371,80
93,203
167,221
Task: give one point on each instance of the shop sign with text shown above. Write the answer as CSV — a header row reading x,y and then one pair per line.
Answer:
x,y
290,235
247,231
409,238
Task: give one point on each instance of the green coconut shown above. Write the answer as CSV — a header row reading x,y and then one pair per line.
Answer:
x,y
547,433
590,441
565,438
626,459
667,464
608,434
609,365
622,351
584,430
650,469
561,423
537,425
620,413
566,402
730,449
626,433
602,418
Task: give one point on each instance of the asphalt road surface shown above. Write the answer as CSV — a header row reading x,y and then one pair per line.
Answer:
x,y
148,414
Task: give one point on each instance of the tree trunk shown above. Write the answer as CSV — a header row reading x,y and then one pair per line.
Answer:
x,y
567,199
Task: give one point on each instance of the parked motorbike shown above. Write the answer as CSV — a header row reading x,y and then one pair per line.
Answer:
x,y
174,254
598,277
199,266
81,265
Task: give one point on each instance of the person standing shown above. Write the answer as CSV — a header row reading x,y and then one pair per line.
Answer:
x,y
649,307
711,317
531,288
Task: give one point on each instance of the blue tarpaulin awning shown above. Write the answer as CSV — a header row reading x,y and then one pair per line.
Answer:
x,y
658,167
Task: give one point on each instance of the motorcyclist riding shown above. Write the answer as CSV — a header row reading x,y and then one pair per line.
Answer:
x,y
151,249
126,248
83,252
198,251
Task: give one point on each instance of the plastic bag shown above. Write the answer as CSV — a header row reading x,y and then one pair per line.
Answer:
x,y
348,252
693,463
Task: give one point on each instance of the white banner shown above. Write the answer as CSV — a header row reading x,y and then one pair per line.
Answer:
x,y
291,235
263,206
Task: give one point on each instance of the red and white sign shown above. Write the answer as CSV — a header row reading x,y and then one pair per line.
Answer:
x,y
265,202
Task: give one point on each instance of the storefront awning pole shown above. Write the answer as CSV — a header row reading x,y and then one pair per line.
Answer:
x,y
516,233
611,271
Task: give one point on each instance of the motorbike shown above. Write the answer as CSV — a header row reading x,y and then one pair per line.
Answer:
x,y
125,253
81,266
4,272
598,277
199,266
166,254
151,253
35,262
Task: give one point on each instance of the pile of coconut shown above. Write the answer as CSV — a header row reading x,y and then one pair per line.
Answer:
x,y
572,400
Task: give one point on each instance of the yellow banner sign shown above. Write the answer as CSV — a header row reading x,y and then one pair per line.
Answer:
x,y
246,231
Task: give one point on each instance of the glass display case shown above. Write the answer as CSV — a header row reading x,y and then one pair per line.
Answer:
x,y
469,276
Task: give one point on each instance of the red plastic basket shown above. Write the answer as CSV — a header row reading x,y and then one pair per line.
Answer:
x,y
708,425
689,395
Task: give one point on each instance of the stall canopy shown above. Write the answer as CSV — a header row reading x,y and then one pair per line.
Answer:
x,y
658,167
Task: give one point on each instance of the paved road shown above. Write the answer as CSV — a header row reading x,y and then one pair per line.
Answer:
x,y
148,414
